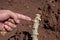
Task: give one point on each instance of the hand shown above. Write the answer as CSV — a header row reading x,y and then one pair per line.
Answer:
x,y
9,19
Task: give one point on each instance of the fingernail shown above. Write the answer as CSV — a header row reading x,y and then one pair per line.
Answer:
x,y
28,18
6,22
15,26
8,28
18,21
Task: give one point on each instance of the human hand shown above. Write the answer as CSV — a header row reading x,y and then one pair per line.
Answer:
x,y
9,19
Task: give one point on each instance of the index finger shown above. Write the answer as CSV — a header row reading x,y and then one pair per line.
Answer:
x,y
21,16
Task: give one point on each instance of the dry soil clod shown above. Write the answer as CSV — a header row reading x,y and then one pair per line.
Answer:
x,y
3,33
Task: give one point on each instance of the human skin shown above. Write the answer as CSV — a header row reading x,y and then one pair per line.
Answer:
x,y
9,20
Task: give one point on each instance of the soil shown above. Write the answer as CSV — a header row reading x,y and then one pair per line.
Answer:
x,y
49,28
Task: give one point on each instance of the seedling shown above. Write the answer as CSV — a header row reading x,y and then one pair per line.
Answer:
x,y
35,27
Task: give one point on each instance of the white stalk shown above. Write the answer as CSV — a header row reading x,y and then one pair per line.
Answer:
x,y
35,27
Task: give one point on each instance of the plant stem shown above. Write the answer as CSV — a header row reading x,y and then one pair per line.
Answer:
x,y
35,27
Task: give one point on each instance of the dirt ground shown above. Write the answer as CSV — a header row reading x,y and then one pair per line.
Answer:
x,y
49,28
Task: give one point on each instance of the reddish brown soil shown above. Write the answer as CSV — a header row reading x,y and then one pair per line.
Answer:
x,y
49,28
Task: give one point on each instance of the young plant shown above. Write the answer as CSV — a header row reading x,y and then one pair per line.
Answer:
x,y
35,27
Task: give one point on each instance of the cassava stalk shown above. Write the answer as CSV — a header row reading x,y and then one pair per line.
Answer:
x,y
35,27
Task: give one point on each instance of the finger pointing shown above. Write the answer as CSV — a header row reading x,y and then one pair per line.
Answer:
x,y
23,17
